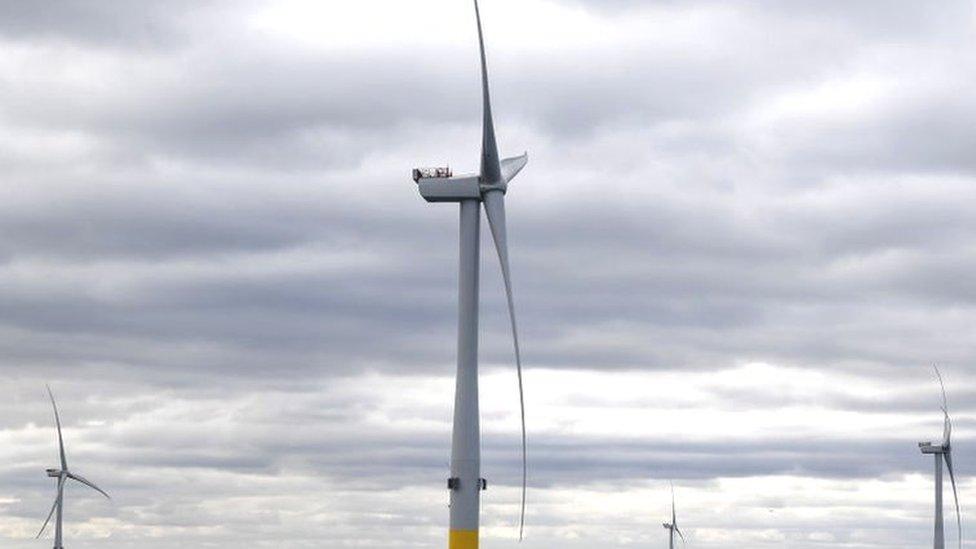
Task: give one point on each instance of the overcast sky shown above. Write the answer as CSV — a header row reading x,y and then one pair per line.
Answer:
x,y
745,234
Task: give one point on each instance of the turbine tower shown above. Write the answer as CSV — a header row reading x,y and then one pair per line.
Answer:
x,y
672,528
943,452
62,474
471,191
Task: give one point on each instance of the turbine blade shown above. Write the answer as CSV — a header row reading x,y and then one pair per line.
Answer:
x,y
57,501
495,210
674,518
57,420
680,535
88,483
490,169
955,495
947,423
945,401
947,432
512,166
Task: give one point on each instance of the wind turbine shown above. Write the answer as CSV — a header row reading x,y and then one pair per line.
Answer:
x,y
63,475
672,528
471,191
943,451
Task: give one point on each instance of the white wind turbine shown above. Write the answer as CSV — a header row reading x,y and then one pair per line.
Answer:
x,y
471,191
63,475
943,452
672,527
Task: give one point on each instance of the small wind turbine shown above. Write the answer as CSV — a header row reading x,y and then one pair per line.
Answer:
x,y
62,475
943,451
471,191
672,528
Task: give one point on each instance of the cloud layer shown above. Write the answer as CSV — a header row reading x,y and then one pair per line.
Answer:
x,y
744,234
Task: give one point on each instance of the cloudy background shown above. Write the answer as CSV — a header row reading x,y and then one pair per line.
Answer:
x,y
745,234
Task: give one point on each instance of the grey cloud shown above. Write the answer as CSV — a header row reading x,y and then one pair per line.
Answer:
x,y
219,219
101,22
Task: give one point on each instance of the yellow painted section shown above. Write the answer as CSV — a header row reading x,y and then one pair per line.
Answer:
x,y
463,539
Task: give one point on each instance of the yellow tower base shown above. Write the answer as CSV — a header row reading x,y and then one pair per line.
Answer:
x,y
463,539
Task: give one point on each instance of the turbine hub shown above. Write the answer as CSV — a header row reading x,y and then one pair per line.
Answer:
x,y
500,186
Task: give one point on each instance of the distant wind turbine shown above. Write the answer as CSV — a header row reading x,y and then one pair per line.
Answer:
x,y
62,475
487,187
943,451
672,528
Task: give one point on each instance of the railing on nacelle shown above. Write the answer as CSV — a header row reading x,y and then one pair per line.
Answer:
x,y
432,173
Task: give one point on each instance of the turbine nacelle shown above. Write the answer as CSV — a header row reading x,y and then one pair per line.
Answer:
x,y
450,189
929,448
440,184
54,473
